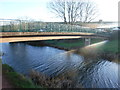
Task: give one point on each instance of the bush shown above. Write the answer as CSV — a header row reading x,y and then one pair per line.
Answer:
x,y
50,82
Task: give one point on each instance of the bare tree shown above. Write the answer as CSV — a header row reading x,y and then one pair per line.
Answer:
x,y
58,7
73,10
89,12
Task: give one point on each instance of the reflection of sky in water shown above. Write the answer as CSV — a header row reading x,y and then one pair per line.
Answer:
x,y
51,61
98,74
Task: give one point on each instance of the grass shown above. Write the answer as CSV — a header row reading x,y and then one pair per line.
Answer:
x,y
107,51
18,80
111,47
64,80
37,78
96,40
70,44
64,44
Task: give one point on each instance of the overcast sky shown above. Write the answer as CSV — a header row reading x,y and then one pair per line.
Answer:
x,y
37,9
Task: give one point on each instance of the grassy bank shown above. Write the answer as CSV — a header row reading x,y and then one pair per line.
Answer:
x,y
108,50
70,44
37,79
15,79
110,47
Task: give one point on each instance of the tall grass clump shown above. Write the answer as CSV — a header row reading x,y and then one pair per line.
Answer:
x,y
65,80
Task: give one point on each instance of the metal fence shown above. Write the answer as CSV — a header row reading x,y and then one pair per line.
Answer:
x,y
16,25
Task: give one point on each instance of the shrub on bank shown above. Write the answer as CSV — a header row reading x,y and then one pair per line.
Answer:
x,y
50,82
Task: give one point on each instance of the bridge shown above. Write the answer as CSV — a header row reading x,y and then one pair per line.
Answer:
x,y
34,36
22,30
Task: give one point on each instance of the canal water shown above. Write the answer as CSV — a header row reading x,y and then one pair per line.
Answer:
x,y
91,73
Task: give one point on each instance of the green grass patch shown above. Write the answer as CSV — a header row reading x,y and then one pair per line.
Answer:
x,y
70,44
67,44
7,68
18,80
96,40
111,46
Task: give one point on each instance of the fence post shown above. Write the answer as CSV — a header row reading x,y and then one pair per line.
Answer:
x,y
20,25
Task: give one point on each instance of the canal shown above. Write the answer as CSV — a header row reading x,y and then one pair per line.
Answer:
x,y
90,73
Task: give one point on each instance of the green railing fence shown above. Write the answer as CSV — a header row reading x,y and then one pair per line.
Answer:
x,y
16,25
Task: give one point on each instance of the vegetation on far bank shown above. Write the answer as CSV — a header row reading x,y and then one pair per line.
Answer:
x,y
70,44
108,50
110,47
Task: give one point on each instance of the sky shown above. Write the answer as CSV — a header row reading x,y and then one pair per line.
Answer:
x,y
37,10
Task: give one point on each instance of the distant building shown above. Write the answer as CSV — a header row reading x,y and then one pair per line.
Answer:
x,y
100,21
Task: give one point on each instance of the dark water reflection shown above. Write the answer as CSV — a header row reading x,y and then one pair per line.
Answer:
x,y
51,61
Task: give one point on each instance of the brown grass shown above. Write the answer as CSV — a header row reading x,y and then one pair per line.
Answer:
x,y
65,80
